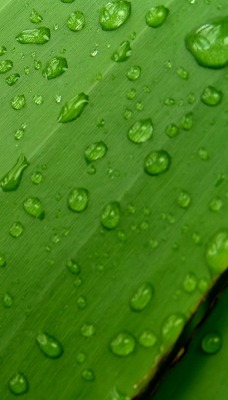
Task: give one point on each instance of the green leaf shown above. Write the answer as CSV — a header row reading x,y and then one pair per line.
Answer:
x,y
128,234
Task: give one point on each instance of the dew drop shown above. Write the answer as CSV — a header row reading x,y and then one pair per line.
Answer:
x,y
215,204
39,35
18,384
55,67
7,300
35,17
134,73
211,343
172,130
114,14
12,79
148,339
5,66
172,327
211,96
123,344
142,297
131,94
141,131
76,21
87,330
190,283
157,162
110,215
18,102
37,177
80,358
78,200
217,252
88,375
16,230
34,207
182,73
184,199
3,50
82,302
187,121
49,345
209,43
95,151
123,52
203,154
73,108
12,179
73,267
2,261
156,16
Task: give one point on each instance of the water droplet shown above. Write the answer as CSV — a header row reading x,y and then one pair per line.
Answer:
x,y
37,177
95,151
157,162
12,79
169,101
123,52
12,179
172,130
217,252
123,344
203,154
3,50
142,297
215,204
134,73
2,261
208,43
156,16
184,199
73,267
182,73
211,343
80,358
141,131
190,283
49,345
38,100
88,375
18,102
148,339
172,327
16,229
78,200
87,330
39,35
82,302
55,67
114,14
211,96
187,121
34,207
73,108
35,17
139,106
37,65
110,215
196,238
131,94
5,66
67,1
7,300
76,21
18,384
203,285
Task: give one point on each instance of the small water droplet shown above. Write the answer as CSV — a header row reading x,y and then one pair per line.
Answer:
x,y
208,43
88,375
87,330
38,99
76,21
73,108
184,199
16,230
49,345
123,52
114,14
3,50
12,79
172,130
123,344
12,179
110,215
35,17
203,285
134,73
156,16
157,162
141,131
55,67
73,267
95,151
215,204
18,384
78,200
2,261
203,154
172,327
34,207
82,302
148,339
182,73
190,283
211,96
187,121
7,300
217,252
5,66
18,102
211,343
37,177
81,357
142,297
131,94
38,36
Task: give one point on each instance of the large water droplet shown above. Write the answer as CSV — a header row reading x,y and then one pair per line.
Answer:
x,y
217,252
95,151
157,162
172,327
141,131
5,66
12,179
123,52
209,43
78,200
18,102
123,344
141,297
211,343
76,21
34,207
114,14
211,96
18,384
73,108
156,16
39,35
55,67
110,215
49,345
